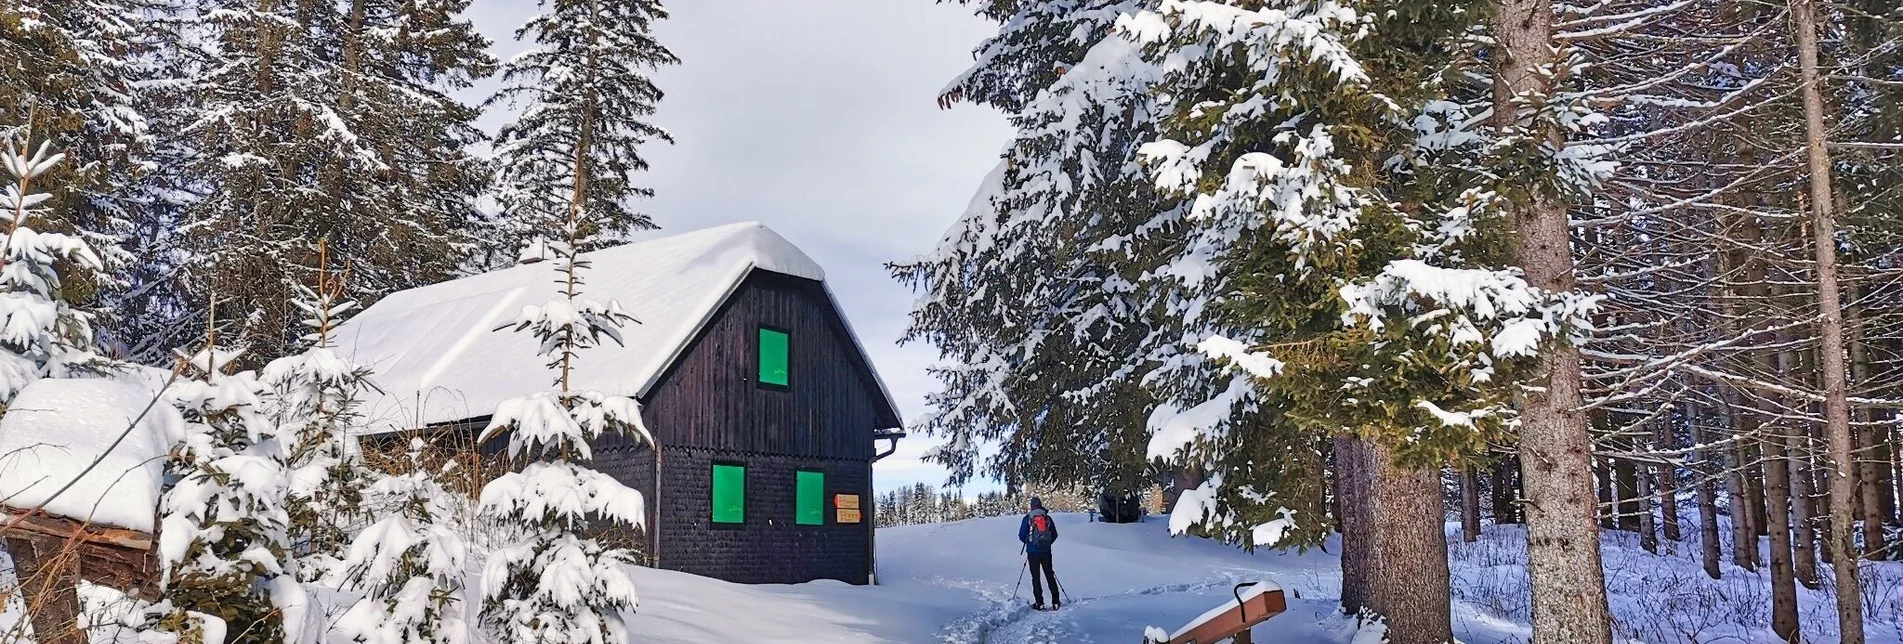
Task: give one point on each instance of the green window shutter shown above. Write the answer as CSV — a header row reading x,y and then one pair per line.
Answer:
x,y
730,494
773,360
809,495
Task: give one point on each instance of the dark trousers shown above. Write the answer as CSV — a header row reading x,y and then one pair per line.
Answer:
x,y
1043,562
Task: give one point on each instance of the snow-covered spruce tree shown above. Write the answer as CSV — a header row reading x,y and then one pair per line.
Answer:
x,y
312,400
1031,296
223,543
44,333
73,75
308,121
1332,260
409,564
583,97
556,584
408,208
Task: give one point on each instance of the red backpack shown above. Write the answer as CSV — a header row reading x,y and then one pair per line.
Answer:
x,y
1042,531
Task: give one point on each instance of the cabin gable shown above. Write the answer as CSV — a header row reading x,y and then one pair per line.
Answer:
x,y
812,435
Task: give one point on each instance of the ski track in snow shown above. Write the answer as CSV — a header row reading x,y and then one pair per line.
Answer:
x,y
1008,619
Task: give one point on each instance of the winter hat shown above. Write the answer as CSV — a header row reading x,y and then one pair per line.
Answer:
x,y
1037,503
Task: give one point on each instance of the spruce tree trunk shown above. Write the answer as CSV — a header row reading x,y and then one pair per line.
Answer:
x,y
1797,458
1395,528
1648,528
1777,492
1355,518
353,53
1666,476
1568,578
1744,535
1709,549
1506,490
1605,499
1829,329
1627,496
1469,505
1760,504
1871,463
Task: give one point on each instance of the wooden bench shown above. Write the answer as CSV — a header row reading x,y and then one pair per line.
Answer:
x,y
1230,621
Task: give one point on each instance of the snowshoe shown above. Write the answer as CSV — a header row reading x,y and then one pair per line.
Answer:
x,y
1037,606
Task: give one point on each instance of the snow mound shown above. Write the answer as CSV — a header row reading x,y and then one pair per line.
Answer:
x,y
108,438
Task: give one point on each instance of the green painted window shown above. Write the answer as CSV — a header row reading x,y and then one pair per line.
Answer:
x,y
809,498
773,360
730,493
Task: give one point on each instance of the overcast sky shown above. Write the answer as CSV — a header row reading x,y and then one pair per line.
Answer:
x,y
816,117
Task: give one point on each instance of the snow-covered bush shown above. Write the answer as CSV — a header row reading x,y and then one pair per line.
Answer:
x,y
556,584
40,332
409,564
223,540
312,402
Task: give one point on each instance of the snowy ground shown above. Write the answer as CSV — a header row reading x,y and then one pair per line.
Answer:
x,y
953,583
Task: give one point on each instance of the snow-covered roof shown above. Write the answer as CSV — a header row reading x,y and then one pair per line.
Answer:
x,y
55,430
437,356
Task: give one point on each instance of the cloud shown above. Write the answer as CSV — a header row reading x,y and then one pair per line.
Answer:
x,y
817,118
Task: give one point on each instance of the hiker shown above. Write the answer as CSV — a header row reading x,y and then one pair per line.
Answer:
x,y
1037,533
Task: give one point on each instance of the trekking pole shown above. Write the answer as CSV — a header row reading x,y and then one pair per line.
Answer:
x,y
1022,565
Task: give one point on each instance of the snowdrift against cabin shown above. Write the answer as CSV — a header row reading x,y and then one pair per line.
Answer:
x,y
437,357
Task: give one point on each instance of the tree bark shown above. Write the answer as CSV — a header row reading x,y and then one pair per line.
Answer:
x,y
1563,560
1708,547
1829,329
1354,517
1797,458
1606,501
353,54
1873,458
1760,505
1777,493
1506,490
1402,574
1666,476
1469,505
1744,534
1629,499
49,579
1648,527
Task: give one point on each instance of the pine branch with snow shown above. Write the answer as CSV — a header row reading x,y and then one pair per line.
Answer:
x,y
41,333
408,565
224,546
583,100
557,583
312,400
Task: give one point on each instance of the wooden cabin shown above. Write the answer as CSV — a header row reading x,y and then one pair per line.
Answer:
x,y
766,410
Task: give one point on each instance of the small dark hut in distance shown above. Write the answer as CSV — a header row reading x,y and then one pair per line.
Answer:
x,y
766,412
1118,506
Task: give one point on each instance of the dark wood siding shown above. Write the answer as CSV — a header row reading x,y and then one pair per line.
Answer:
x,y
710,397
709,407
769,547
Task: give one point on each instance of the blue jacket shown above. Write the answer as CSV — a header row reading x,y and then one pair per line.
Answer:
x,y
1024,534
